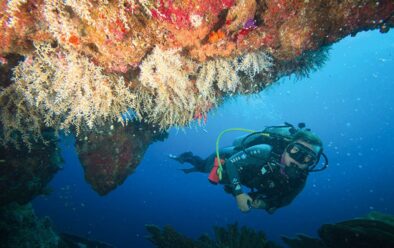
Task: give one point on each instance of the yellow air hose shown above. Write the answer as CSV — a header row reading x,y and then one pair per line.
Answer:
x,y
220,169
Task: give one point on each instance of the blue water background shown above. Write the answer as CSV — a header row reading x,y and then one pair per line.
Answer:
x,y
349,103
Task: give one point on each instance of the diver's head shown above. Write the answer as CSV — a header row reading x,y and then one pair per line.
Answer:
x,y
304,150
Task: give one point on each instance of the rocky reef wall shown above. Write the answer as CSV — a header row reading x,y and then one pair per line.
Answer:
x,y
166,62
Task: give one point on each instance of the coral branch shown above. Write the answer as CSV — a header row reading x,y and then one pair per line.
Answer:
x,y
168,61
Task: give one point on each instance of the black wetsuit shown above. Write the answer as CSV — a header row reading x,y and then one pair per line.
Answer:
x,y
257,169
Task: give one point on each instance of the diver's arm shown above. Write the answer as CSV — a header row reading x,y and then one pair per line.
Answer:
x,y
252,156
283,199
243,200
233,175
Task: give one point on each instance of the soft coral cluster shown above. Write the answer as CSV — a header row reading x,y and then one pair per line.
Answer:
x,y
62,90
175,90
179,58
165,92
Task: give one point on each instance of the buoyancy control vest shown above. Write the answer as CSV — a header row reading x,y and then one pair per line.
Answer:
x,y
278,137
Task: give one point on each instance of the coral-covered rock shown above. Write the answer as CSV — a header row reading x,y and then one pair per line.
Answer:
x,y
6,64
69,240
230,236
117,35
20,227
357,233
130,43
303,241
374,230
111,154
25,173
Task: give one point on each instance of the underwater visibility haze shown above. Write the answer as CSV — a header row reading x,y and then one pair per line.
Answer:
x,y
348,103
97,96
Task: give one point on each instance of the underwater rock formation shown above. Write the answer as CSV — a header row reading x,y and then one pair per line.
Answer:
x,y
20,227
25,172
168,237
12,60
374,230
118,34
109,155
225,237
73,241
166,62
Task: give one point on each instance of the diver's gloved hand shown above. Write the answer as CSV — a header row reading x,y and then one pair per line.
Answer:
x,y
271,210
243,202
259,203
184,157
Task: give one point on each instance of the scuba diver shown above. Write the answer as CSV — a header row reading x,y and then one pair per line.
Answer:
x,y
274,164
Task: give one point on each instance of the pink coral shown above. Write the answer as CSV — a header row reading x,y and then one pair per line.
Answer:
x,y
179,12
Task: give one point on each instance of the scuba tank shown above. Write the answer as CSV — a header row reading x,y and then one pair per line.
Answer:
x,y
278,137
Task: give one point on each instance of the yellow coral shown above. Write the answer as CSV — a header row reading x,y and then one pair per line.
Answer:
x,y
175,90
62,90
229,74
12,8
18,115
166,88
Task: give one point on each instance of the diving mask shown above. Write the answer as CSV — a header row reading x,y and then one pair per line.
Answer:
x,y
302,154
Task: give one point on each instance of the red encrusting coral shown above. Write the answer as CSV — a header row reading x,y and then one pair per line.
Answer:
x,y
285,28
111,155
73,40
180,13
170,61
115,39
18,28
